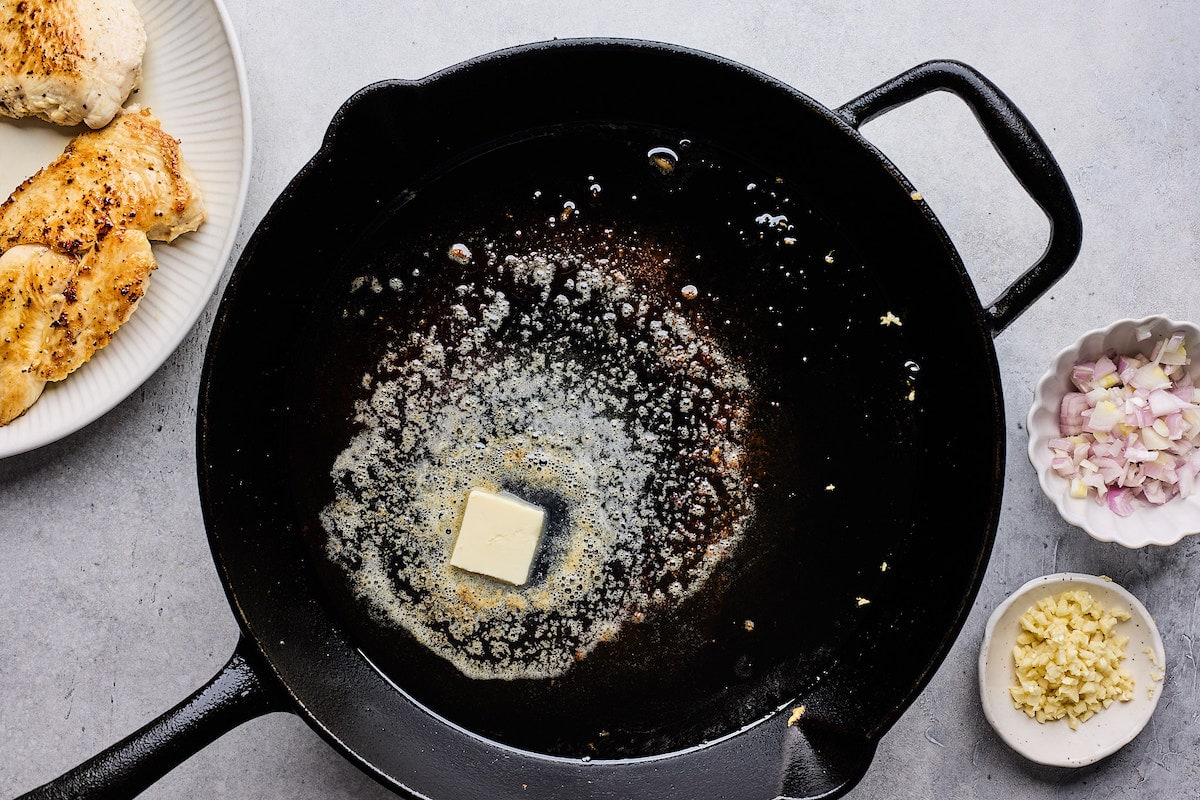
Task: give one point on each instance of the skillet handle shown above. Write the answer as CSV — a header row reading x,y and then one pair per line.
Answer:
x,y
238,693
1021,148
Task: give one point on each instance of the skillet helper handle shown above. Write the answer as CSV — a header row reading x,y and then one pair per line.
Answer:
x,y
1022,150
236,694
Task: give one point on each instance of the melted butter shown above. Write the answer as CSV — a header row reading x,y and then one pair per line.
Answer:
x,y
591,398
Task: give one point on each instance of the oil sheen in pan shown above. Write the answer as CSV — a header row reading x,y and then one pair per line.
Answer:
x,y
608,287
563,374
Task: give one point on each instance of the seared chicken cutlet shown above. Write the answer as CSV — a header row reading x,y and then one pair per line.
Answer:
x,y
128,175
75,253
69,61
32,281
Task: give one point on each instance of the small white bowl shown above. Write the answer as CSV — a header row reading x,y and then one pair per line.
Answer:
x,y
1054,743
1163,525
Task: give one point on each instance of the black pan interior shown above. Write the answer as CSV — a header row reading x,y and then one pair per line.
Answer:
x,y
832,441
916,481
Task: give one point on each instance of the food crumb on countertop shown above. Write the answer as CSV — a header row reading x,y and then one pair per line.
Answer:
x,y
862,601
748,625
883,567
890,319
829,487
797,713
916,195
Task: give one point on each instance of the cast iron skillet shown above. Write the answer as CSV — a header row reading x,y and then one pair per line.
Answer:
x,y
694,705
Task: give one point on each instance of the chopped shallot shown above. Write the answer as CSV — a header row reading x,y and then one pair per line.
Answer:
x,y
1131,431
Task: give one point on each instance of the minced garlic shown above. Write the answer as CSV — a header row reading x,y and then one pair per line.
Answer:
x,y
1156,674
1068,659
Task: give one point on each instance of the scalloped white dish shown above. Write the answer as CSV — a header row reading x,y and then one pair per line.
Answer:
x,y
1161,525
193,80
1054,743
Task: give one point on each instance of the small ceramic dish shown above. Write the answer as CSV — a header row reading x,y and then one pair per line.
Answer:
x,y
1054,743
1162,525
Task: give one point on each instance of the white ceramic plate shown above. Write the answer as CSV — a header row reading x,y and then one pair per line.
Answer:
x,y
1054,743
193,80
1162,525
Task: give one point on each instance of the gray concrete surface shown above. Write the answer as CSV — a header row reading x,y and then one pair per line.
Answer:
x,y
111,610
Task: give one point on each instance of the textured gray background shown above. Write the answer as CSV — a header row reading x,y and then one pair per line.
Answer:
x,y
112,610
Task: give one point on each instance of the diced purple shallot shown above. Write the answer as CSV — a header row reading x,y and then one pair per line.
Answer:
x,y
1103,366
1130,434
1120,502
1163,403
1070,418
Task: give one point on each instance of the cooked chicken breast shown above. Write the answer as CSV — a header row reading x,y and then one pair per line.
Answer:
x,y
101,297
128,175
69,61
33,279
75,254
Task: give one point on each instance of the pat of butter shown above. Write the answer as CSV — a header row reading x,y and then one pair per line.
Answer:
x,y
499,536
